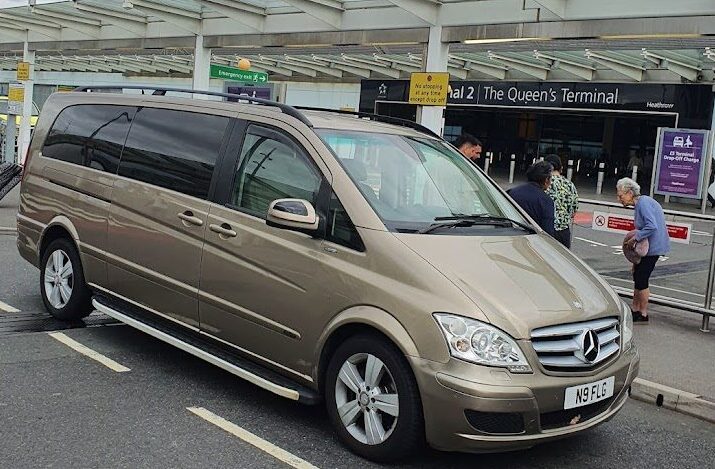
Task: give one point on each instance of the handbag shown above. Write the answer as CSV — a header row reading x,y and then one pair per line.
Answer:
x,y
635,253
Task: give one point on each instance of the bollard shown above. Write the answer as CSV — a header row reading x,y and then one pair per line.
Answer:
x,y
512,165
634,173
599,181
10,134
569,170
487,160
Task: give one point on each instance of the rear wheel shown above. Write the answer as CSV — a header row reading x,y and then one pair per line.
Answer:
x,y
373,400
64,292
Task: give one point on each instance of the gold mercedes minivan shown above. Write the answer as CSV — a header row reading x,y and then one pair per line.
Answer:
x,y
325,256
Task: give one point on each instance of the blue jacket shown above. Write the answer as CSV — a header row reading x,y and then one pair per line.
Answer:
x,y
536,202
650,223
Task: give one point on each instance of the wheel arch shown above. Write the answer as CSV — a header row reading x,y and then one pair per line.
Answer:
x,y
360,320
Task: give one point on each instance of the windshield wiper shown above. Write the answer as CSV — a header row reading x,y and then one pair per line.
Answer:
x,y
453,222
483,219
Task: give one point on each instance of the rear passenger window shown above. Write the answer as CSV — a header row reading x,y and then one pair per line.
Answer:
x,y
174,149
89,135
272,167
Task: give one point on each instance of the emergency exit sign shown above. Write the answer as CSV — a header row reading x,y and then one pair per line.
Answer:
x,y
236,74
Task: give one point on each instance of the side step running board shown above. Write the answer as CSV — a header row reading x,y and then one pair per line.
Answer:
x,y
248,371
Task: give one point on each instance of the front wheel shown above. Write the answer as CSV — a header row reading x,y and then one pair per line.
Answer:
x,y
373,400
64,292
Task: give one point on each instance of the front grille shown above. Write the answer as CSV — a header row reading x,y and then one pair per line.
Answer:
x,y
505,423
563,418
566,347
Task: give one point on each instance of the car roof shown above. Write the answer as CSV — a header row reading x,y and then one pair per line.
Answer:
x,y
320,119
328,119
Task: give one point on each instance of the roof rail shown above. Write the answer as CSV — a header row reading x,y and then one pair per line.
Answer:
x,y
376,117
161,91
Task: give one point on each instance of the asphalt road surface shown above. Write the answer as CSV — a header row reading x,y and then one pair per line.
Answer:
x,y
152,405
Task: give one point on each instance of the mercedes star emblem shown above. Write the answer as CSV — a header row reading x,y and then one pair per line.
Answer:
x,y
590,345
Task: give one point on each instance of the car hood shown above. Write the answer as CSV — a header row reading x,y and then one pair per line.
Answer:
x,y
518,282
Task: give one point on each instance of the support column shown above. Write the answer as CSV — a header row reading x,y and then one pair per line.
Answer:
x,y
436,58
23,142
202,65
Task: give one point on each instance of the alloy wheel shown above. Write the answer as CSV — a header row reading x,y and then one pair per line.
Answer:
x,y
367,399
59,279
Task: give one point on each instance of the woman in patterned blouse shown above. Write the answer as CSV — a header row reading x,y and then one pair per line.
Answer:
x,y
565,198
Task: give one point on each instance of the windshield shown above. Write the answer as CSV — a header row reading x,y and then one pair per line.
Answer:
x,y
410,182
3,107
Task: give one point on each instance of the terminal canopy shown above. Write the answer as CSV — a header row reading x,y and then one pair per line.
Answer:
x,y
639,40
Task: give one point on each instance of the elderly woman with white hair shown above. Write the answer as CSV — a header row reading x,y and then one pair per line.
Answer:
x,y
650,225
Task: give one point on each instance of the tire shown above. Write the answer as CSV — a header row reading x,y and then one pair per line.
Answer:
x,y
398,430
64,292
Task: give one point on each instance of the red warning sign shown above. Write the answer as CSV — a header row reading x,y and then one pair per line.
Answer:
x,y
678,232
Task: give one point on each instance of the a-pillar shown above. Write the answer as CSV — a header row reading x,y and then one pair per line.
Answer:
x,y
202,65
23,138
436,58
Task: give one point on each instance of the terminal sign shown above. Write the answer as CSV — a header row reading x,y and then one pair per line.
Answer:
x,y
680,162
429,89
602,221
236,74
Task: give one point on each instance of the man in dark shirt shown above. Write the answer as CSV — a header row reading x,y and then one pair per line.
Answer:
x,y
532,196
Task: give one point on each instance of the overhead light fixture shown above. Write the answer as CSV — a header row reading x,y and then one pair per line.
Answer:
x,y
511,39
651,36
127,5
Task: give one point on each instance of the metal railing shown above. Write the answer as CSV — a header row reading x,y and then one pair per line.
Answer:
x,y
706,308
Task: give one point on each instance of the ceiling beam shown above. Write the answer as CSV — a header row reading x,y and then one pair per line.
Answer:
x,y
537,71
49,29
555,7
117,63
338,64
329,12
318,67
249,15
175,63
89,27
617,64
184,19
133,23
426,10
481,65
570,66
372,65
267,66
676,63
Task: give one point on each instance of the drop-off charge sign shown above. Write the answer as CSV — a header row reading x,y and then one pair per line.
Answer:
x,y
429,89
602,221
680,162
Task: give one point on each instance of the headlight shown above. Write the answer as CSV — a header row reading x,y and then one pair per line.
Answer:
x,y
627,325
481,343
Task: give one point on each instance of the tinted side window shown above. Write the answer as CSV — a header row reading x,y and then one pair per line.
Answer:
x,y
272,167
89,135
340,228
174,149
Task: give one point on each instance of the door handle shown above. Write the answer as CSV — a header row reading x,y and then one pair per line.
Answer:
x,y
188,217
224,229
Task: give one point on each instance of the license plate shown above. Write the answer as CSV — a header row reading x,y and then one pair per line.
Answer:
x,y
585,394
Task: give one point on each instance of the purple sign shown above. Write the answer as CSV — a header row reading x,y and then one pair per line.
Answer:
x,y
250,91
681,162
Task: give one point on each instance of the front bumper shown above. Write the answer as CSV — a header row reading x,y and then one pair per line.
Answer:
x,y
531,405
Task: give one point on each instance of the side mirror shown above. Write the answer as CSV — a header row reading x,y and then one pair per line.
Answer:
x,y
293,214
